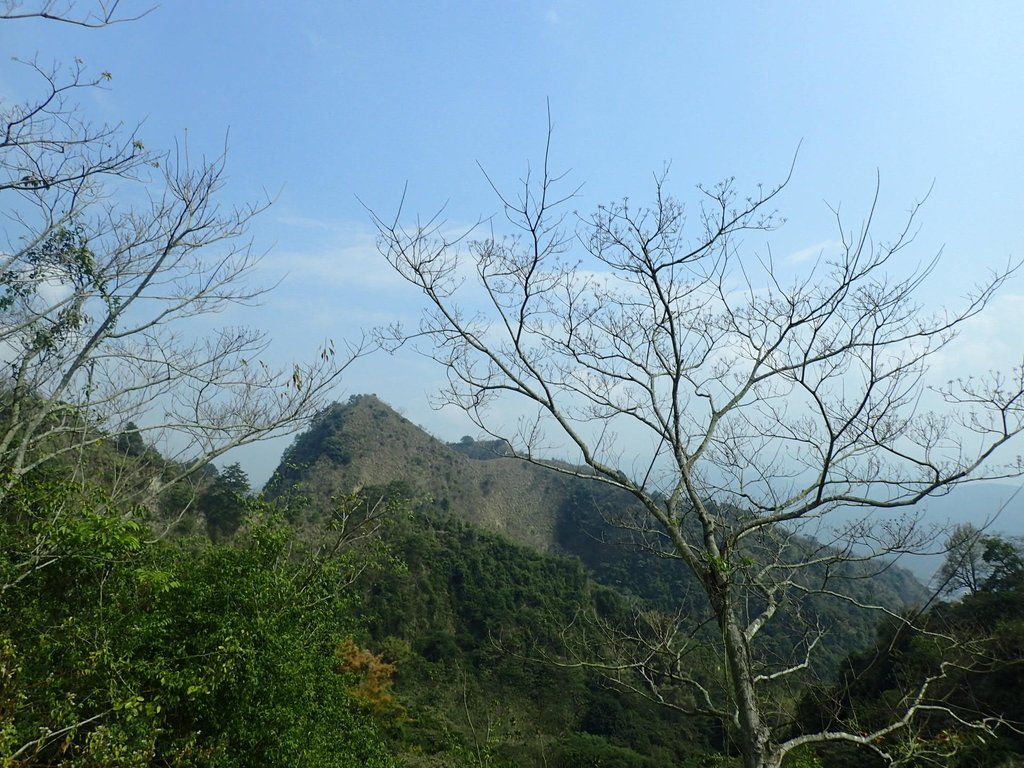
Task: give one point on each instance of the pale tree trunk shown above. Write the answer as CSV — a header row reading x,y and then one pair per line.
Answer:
x,y
753,734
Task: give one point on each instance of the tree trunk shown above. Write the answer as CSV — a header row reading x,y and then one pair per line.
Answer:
x,y
754,735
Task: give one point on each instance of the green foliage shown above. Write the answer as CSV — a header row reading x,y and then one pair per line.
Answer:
x,y
129,441
981,639
224,500
468,622
116,652
1005,558
64,257
322,439
583,749
980,562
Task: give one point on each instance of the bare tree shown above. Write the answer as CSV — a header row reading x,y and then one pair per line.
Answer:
x,y
771,406
100,13
113,260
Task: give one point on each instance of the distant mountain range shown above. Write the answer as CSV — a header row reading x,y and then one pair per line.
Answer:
x,y
998,506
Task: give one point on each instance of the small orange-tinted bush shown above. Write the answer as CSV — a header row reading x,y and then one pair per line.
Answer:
x,y
374,678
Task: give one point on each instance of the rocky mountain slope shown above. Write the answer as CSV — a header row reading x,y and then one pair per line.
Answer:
x,y
365,443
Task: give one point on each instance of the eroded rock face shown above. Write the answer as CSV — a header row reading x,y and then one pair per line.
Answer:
x,y
365,443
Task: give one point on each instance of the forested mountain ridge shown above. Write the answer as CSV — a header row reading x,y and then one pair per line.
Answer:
x,y
479,636
365,442
484,612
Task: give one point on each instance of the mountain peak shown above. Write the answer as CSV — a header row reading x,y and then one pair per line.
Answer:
x,y
366,443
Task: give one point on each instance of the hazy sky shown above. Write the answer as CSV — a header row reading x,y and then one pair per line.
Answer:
x,y
322,102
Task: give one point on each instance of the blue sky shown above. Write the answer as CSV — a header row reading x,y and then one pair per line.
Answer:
x,y
324,101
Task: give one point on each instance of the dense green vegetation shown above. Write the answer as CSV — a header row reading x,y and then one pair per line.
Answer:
x,y
249,649
116,650
976,645
384,629
470,619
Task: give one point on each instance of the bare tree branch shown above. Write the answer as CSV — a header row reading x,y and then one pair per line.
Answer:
x,y
101,13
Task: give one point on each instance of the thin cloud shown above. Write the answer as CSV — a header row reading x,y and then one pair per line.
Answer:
x,y
311,222
986,342
811,252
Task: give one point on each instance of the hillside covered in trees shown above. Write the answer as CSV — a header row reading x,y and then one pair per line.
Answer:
x,y
353,614
365,443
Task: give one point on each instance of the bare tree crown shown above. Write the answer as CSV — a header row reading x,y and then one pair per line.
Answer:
x,y
768,401
113,260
